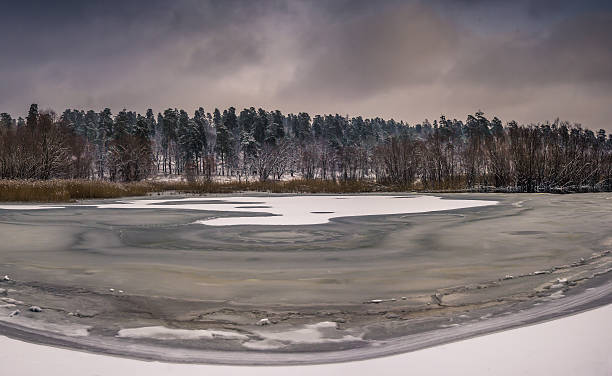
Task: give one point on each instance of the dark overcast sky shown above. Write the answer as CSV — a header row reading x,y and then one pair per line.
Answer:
x,y
410,60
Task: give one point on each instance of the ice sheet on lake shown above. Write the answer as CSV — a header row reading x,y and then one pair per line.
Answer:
x,y
292,210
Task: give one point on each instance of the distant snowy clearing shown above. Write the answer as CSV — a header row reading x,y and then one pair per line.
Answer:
x,y
289,210
574,345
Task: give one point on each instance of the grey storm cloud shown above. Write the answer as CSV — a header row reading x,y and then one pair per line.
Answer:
x,y
576,51
405,45
525,60
226,52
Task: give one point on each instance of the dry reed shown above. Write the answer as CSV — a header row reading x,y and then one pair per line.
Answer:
x,y
70,190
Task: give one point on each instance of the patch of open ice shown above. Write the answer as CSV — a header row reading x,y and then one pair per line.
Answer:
x,y
292,210
161,332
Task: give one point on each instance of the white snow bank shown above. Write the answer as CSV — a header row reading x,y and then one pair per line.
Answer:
x,y
29,207
323,332
574,345
294,210
161,332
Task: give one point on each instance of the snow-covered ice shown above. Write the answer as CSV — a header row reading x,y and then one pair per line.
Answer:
x,y
29,207
323,332
574,345
309,333
70,330
161,332
290,210
309,210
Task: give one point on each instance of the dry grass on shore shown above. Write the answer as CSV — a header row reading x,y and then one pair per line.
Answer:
x,y
69,190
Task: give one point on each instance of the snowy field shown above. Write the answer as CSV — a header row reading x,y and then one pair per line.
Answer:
x,y
574,345
289,210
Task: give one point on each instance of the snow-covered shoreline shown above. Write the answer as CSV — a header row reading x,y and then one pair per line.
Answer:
x,y
572,345
526,315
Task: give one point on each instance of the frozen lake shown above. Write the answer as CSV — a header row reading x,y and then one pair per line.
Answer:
x,y
160,247
277,273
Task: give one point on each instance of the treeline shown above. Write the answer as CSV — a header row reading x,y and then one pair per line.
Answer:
x,y
484,154
268,145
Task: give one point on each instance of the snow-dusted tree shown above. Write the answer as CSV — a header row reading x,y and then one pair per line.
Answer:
x,y
32,118
169,128
223,139
6,120
271,160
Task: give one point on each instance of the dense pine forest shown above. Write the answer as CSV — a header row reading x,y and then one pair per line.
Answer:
x,y
254,144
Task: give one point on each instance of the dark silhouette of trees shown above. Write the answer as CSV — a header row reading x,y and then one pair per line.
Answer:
x,y
42,148
399,161
478,154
